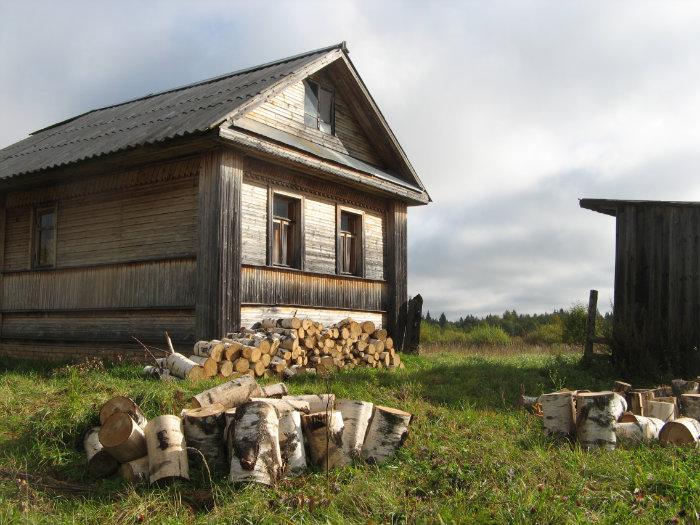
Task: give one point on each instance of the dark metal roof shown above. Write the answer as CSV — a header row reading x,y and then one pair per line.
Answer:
x,y
610,206
185,110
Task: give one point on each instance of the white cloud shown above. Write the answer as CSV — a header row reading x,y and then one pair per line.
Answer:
x,y
510,111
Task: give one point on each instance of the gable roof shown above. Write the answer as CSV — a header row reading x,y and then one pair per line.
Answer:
x,y
196,109
177,112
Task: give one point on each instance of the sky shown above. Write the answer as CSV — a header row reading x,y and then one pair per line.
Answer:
x,y
510,111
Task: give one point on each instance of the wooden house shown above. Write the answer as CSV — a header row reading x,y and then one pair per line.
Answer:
x,y
267,191
656,311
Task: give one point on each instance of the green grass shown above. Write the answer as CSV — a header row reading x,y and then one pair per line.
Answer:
x,y
472,456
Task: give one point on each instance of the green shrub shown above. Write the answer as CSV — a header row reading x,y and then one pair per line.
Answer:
x,y
487,335
574,329
546,334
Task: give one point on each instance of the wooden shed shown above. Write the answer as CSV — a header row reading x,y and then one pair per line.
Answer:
x,y
657,284
271,190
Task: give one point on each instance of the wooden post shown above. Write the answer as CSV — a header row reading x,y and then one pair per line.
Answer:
x,y
397,271
219,250
411,342
590,325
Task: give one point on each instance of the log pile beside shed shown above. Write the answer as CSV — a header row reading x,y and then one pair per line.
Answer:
x,y
283,347
606,419
244,432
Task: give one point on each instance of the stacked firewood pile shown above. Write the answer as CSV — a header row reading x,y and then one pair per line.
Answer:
x,y
283,347
246,432
669,414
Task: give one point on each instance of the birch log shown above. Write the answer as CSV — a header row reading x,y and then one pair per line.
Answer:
x,y
323,432
167,449
317,403
291,438
135,471
204,430
639,399
559,413
636,429
356,417
661,410
681,431
681,386
278,390
254,444
387,431
674,401
596,414
230,394
690,404
184,368
122,438
100,463
209,365
122,404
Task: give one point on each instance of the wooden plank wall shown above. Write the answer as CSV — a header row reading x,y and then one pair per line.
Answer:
x,y
285,111
125,259
397,270
317,285
657,284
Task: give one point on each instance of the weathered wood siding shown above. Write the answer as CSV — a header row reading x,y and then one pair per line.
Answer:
x,y
657,287
125,258
278,286
317,285
252,314
285,111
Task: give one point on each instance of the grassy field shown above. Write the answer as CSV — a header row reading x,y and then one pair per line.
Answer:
x,y
472,457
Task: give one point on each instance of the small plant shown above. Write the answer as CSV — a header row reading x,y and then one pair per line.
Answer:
x,y
574,329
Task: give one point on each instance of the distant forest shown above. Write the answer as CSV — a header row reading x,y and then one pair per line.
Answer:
x,y
559,327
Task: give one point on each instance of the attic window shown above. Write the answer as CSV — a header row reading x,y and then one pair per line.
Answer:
x,y
319,107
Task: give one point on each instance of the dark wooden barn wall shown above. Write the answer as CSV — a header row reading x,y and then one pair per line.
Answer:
x,y
657,282
125,260
397,269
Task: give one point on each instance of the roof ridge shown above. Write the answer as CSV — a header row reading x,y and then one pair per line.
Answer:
x,y
342,45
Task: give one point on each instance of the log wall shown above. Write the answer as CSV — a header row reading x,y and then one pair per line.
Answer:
x,y
125,260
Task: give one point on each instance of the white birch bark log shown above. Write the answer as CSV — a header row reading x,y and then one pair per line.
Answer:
x,y
230,394
122,438
209,366
254,444
596,414
317,402
100,463
135,471
387,431
167,449
661,410
184,368
559,413
690,404
681,431
204,430
638,429
323,432
356,417
122,404
291,439
229,416
278,390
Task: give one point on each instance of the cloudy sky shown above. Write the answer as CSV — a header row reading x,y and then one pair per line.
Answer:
x,y
510,111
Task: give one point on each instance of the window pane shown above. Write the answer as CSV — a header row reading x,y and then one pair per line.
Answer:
x,y
310,103
276,240
284,239
347,222
280,207
46,246
325,110
46,219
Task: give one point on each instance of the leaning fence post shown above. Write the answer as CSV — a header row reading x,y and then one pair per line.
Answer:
x,y
590,324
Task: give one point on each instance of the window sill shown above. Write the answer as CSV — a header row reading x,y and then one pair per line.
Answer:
x,y
314,274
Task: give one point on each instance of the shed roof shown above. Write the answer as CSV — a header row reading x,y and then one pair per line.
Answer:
x,y
610,206
154,118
